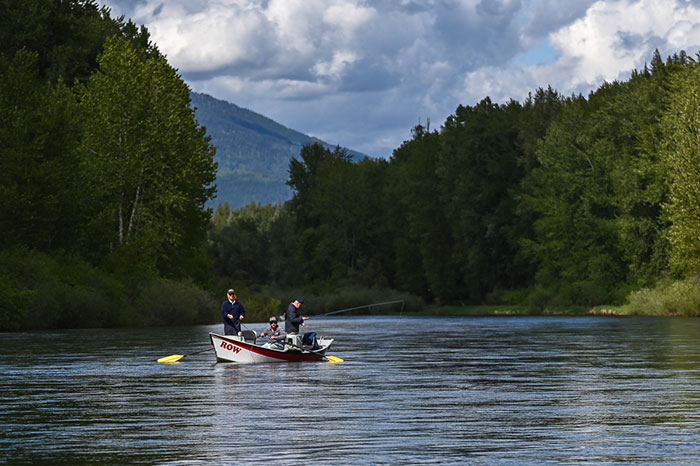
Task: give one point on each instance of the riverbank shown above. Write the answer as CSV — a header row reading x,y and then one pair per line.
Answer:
x,y
496,310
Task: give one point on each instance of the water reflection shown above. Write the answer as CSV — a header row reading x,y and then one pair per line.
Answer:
x,y
507,390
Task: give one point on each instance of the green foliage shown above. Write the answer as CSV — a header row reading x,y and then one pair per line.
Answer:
x,y
105,176
478,169
103,185
597,193
41,291
147,163
37,162
253,245
682,158
259,307
561,197
668,297
66,35
166,302
59,291
419,224
14,302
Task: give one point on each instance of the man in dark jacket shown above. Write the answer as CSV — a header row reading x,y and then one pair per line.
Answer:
x,y
293,319
233,312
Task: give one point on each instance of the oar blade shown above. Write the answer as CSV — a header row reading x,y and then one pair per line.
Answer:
x,y
333,359
172,358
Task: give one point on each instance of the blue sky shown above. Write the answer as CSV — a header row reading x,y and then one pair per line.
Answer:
x,y
362,73
541,53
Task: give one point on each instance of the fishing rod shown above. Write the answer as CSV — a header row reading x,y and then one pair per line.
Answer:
x,y
283,316
360,307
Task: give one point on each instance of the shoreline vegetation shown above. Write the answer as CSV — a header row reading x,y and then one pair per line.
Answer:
x,y
514,310
496,310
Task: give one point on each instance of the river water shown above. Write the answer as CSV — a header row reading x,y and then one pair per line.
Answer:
x,y
412,390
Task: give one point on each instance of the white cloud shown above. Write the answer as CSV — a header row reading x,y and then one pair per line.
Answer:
x,y
335,66
223,38
361,73
607,43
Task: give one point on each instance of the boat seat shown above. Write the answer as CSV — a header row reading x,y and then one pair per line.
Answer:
x,y
294,340
249,336
308,340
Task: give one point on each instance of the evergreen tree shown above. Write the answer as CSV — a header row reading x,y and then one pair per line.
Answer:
x,y
67,35
477,171
416,222
40,199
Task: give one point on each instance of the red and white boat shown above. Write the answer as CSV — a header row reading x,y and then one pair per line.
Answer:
x,y
244,349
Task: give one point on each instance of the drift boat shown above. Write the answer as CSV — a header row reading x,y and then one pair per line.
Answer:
x,y
295,348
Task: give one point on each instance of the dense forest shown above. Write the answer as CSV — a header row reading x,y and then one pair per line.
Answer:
x,y
556,201
104,173
105,176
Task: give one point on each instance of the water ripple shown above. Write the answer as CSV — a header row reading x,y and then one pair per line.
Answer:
x,y
508,391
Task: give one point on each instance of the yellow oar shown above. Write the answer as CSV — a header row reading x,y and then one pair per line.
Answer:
x,y
172,358
333,359
177,357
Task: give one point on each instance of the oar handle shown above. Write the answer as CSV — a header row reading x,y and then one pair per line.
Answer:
x,y
197,352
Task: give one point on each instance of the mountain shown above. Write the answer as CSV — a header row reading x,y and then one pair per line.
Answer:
x,y
252,151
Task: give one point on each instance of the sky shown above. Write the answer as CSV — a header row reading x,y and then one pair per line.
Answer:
x,y
362,73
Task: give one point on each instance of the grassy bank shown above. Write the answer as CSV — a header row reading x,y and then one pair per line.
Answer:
x,y
668,298
496,310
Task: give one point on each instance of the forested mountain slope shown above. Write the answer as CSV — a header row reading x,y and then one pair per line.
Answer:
x,y
252,151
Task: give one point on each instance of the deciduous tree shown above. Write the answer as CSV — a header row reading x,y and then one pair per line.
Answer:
x,y
148,163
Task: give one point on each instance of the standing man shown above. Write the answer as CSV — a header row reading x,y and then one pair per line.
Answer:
x,y
233,312
293,319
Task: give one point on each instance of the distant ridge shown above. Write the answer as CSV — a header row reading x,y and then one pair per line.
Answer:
x,y
252,151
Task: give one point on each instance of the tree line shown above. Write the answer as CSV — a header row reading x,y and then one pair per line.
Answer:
x,y
105,173
555,201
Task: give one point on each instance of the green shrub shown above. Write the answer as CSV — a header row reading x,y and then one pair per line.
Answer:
x,y
504,296
164,302
14,304
259,307
538,300
668,297
645,301
41,291
683,298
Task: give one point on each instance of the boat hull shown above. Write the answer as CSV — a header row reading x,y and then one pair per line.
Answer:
x,y
229,348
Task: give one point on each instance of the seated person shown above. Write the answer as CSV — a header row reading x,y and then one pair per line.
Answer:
x,y
275,334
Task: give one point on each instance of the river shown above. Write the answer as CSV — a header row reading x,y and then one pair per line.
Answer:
x,y
411,390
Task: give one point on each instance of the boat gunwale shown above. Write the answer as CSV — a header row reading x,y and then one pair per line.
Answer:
x,y
286,355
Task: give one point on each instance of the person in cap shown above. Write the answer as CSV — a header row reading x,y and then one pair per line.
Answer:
x,y
293,318
232,311
274,333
